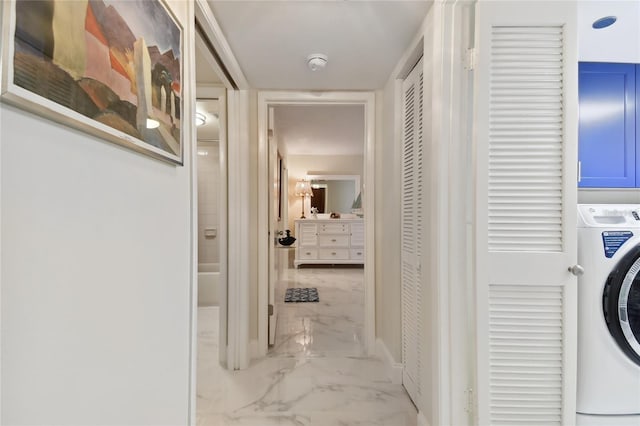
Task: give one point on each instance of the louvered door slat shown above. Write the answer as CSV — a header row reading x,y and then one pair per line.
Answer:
x,y
411,225
537,347
540,158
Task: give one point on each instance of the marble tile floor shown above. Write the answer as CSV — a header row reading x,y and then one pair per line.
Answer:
x,y
315,375
331,327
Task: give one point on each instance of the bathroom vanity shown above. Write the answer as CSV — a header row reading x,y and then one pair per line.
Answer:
x,y
329,241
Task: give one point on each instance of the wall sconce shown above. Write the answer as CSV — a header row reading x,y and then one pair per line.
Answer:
x,y
303,189
200,119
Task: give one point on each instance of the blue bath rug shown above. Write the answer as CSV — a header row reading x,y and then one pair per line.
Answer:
x,y
301,295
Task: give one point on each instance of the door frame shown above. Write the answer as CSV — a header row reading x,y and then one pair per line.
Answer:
x,y
454,208
445,42
270,98
219,93
234,92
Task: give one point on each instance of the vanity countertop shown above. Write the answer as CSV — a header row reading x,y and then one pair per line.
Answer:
x,y
351,219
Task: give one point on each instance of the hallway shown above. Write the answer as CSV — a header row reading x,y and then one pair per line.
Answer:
x,y
315,375
331,327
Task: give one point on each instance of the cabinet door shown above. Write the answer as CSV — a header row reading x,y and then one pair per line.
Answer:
x,y
357,234
308,235
607,146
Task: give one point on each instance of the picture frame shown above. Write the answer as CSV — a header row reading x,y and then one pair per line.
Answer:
x,y
279,185
112,69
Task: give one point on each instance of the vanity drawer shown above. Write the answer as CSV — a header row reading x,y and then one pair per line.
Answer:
x,y
337,254
357,254
307,253
333,228
333,240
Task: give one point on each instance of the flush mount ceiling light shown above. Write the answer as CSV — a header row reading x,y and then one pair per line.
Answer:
x,y
317,61
605,22
200,119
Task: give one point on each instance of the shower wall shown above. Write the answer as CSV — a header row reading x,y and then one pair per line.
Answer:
x,y
208,202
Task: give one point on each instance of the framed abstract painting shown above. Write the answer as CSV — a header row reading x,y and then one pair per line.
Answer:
x,y
111,68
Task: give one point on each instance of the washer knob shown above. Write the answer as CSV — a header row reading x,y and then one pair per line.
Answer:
x,y
576,270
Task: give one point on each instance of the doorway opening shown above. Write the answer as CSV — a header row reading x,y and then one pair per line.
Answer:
x,y
210,349
328,255
212,229
275,262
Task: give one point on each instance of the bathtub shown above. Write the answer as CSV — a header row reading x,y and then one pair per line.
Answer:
x,y
208,283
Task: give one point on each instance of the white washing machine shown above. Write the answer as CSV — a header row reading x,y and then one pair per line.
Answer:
x,y
609,315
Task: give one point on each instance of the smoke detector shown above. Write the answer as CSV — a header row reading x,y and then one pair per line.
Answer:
x,y
317,61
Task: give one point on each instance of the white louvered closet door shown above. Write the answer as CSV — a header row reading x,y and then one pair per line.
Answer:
x,y
412,195
526,140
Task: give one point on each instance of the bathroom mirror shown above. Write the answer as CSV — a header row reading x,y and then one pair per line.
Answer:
x,y
334,193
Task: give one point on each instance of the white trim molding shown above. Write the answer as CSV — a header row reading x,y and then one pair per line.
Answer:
x,y
367,99
235,132
392,368
207,91
455,206
190,151
238,292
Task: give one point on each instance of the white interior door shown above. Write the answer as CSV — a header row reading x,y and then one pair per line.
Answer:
x,y
412,208
526,211
273,228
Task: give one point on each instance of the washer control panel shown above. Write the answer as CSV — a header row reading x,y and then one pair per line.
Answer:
x,y
609,215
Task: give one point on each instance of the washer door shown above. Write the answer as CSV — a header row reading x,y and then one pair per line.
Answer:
x,y
621,304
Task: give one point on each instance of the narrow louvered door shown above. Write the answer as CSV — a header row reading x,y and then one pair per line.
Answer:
x,y
526,147
412,194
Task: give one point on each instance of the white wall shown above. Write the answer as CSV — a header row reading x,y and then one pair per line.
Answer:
x,y
388,169
95,280
388,187
617,43
208,200
301,165
444,362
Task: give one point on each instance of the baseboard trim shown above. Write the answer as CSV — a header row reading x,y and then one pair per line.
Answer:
x,y
392,368
422,420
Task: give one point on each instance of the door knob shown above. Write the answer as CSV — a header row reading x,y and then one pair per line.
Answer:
x,y
576,270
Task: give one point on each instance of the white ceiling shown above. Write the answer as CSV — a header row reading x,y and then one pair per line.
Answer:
x,y
320,129
363,40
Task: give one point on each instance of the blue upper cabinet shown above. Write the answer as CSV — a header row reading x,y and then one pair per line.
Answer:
x,y
607,131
